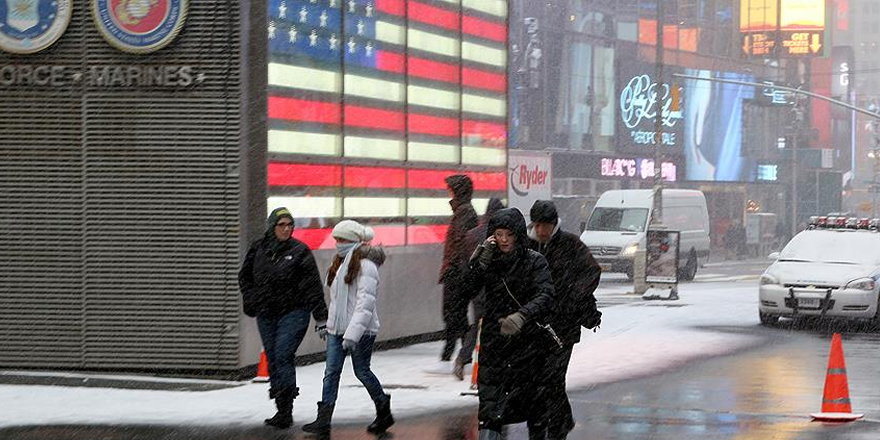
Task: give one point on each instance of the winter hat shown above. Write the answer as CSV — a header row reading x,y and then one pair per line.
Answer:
x,y
544,211
462,187
495,204
275,215
352,231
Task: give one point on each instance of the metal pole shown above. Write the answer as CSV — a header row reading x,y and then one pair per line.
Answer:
x,y
657,211
794,185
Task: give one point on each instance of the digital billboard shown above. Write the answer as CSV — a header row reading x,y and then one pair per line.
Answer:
x,y
638,93
713,131
373,102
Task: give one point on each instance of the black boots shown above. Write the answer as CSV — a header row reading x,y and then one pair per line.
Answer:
x,y
321,425
284,402
384,420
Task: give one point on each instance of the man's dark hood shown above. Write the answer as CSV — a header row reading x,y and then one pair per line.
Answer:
x,y
462,187
510,219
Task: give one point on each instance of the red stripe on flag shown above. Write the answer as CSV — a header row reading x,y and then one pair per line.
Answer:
x,y
480,79
289,174
427,234
484,28
303,110
375,118
494,135
371,177
435,179
384,235
432,15
393,7
435,70
424,124
390,61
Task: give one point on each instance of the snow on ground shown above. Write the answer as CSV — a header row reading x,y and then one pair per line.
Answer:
x,y
636,339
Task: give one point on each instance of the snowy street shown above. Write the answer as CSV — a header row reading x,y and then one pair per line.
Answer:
x,y
638,339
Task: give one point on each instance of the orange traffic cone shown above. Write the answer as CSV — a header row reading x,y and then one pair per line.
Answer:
x,y
835,400
476,356
262,369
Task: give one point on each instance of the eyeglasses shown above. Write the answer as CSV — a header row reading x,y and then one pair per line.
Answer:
x,y
284,225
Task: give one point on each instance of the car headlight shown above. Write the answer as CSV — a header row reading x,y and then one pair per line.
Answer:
x,y
861,284
767,279
629,250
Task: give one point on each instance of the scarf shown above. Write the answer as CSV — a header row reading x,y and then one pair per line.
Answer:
x,y
341,293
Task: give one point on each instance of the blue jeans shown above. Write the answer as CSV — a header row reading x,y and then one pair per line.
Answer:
x,y
360,359
281,337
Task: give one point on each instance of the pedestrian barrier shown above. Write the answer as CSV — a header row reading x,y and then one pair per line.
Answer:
x,y
262,369
836,405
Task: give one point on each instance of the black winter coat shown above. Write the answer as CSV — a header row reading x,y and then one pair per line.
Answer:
x,y
509,384
277,278
575,278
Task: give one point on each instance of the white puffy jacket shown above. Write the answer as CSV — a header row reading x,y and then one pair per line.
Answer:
x,y
362,295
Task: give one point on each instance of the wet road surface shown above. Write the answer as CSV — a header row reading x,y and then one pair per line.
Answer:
x,y
764,393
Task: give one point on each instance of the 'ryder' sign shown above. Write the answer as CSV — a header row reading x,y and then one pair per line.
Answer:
x,y
530,179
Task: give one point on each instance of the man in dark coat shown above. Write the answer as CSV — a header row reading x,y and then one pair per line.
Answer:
x,y
519,296
455,252
575,278
281,286
473,239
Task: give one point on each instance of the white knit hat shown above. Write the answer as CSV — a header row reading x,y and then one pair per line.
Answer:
x,y
352,231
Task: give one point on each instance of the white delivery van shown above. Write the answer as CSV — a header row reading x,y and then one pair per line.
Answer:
x,y
616,228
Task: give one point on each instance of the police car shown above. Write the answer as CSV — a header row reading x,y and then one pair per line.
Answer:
x,y
829,270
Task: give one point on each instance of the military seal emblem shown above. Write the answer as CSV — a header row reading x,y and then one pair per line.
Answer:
x,y
139,26
28,26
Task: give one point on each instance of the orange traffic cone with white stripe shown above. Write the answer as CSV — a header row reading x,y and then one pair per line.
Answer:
x,y
836,406
262,369
476,356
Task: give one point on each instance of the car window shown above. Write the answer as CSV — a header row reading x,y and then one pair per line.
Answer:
x,y
838,247
618,219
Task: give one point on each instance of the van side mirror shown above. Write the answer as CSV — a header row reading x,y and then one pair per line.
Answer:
x,y
583,226
774,256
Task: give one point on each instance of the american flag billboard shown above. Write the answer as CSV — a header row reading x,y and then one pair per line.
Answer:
x,y
373,102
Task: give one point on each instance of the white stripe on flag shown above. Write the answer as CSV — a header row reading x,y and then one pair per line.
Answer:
x,y
454,2
483,54
284,75
429,97
439,207
373,88
308,207
483,105
374,148
300,142
429,152
494,7
390,33
418,39
495,157
373,207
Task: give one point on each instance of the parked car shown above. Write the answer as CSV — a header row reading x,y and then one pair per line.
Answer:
x,y
829,270
617,225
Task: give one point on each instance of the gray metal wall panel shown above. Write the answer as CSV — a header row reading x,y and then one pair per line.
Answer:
x,y
139,187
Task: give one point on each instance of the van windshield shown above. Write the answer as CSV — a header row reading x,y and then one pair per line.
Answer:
x,y
618,219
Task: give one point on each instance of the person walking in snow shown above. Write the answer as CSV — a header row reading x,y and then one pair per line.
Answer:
x,y
575,277
455,254
519,297
280,286
474,237
353,323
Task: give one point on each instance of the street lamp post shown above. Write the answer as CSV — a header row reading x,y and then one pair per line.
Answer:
x,y
657,211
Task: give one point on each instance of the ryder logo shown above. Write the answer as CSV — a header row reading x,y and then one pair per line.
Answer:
x,y
523,178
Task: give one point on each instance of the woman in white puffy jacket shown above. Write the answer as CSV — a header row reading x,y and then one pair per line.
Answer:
x,y
352,323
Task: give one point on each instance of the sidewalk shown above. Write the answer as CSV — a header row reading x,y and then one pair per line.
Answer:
x,y
636,339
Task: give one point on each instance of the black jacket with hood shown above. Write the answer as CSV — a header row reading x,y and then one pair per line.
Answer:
x,y
510,390
278,277
464,218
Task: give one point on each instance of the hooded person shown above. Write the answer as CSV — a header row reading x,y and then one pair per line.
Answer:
x,y
519,296
281,286
353,279
474,237
455,254
575,277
